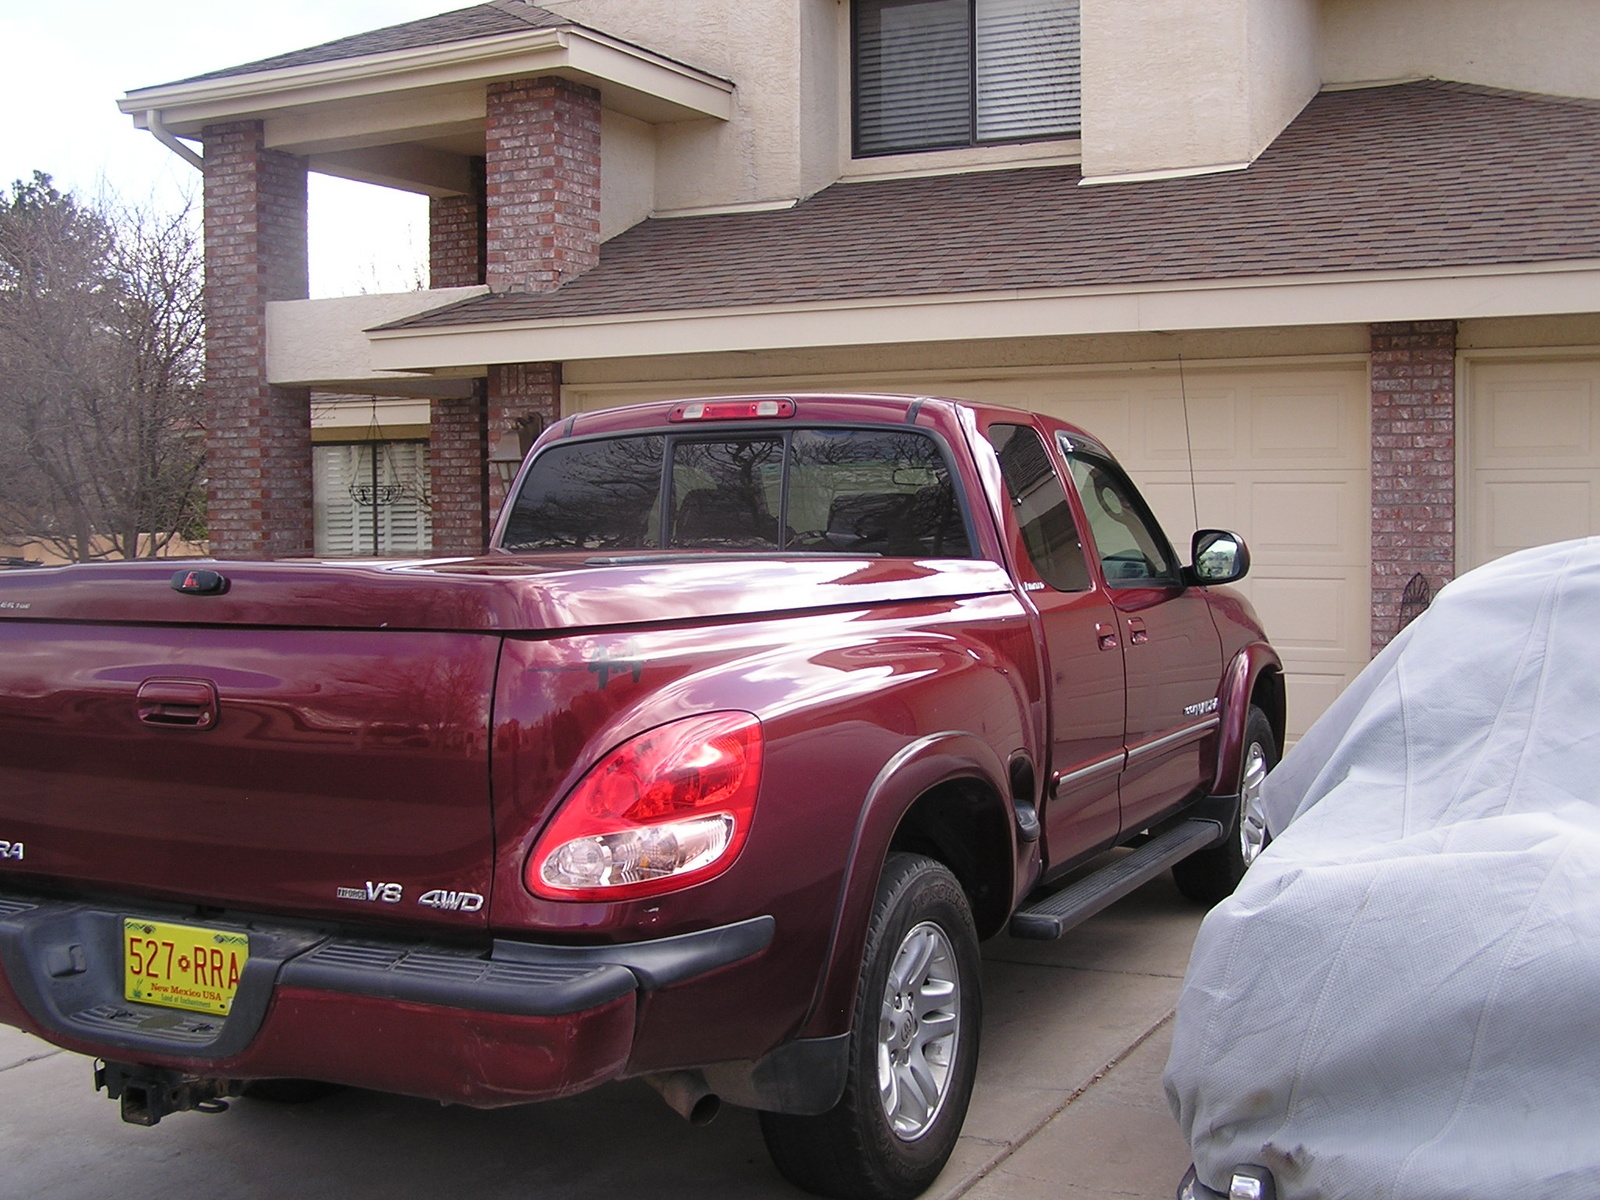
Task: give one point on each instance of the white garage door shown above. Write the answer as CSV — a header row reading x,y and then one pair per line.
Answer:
x,y
1280,455
1533,455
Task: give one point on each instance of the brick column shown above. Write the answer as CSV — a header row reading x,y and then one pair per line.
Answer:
x,y
540,226
1413,464
457,236
457,455
542,183
258,437
517,390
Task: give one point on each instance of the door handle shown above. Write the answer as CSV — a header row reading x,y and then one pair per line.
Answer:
x,y
1106,634
178,703
1138,635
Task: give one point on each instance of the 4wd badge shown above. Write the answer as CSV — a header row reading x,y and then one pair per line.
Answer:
x,y
451,901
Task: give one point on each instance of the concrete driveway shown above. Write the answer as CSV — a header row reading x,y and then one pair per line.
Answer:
x,y
1068,1106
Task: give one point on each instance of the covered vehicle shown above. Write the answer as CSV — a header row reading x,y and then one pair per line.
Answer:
x,y
1400,1000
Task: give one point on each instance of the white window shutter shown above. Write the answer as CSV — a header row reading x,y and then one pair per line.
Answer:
x,y
344,527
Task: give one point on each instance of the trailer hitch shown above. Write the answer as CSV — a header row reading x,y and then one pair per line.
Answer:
x,y
150,1093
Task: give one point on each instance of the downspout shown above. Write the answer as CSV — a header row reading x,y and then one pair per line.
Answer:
x,y
152,121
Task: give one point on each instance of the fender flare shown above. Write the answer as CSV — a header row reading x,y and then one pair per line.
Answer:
x,y
918,767
1239,682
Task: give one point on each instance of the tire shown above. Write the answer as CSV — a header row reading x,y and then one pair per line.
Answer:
x,y
1210,875
914,1033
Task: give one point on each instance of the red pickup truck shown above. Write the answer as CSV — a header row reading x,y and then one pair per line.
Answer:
x,y
758,715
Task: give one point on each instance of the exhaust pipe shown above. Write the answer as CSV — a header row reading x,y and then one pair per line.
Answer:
x,y
687,1095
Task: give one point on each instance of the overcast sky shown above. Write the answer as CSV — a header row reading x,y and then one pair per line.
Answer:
x,y
67,64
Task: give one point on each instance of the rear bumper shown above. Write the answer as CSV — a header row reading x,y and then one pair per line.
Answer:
x,y
520,1021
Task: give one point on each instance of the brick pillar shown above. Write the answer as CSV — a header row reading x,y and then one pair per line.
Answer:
x,y
258,437
542,183
457,236
517,390
1413,464
540,227
457,456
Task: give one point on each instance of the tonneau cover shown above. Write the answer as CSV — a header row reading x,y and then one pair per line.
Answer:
x,y
1401,1000
499,594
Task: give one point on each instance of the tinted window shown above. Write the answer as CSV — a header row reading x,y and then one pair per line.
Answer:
x,y
831,491
601,495
1133,550
727,493
862,491
1039,503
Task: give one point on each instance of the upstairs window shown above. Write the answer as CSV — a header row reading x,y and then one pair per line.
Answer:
x,y
938,74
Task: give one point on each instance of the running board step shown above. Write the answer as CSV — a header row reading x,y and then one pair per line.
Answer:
x,y
1060,911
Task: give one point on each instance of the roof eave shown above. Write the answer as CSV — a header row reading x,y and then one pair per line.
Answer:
x,y
632,80
1444,293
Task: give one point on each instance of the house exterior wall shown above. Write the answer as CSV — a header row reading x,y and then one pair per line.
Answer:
x,y
258,436
1413,464
627,173
781,143
542,183
457,241
458,440
1174,86
1546,46
517,391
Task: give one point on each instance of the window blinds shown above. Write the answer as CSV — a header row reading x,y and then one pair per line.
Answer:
x,y
913,75
938,73
1027,69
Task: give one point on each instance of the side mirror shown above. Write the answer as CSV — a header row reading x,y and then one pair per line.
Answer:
x,y
1219,557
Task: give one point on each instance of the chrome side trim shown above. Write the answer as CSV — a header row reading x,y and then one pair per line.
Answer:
x,y
1082,776
1178,737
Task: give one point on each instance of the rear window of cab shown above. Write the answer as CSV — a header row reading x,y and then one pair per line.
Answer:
x,y
824,491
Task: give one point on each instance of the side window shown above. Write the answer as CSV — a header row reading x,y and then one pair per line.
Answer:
x,y
1133,550
1040,504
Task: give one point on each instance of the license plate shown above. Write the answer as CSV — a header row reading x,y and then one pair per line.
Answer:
x,y
182,966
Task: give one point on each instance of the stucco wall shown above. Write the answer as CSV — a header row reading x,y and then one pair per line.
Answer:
x,y
1169,85
1549,46
1282,39
780,53
627,172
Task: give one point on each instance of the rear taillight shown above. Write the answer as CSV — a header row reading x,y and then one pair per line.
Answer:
x,y
666,809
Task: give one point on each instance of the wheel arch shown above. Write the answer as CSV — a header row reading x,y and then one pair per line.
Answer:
x,y
932,796
1254,676
964,824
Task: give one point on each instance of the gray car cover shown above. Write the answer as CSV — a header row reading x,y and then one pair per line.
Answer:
x,y
1402,999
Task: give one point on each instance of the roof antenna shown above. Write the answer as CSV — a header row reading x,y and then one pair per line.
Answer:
x,y
1188,441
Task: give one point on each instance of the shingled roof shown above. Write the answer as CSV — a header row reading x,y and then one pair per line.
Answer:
x,y
1407,177
464,24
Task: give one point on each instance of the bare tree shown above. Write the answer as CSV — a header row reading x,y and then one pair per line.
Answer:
x,y
101,349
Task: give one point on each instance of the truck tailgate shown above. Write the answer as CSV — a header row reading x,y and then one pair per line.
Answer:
x,y
333,772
